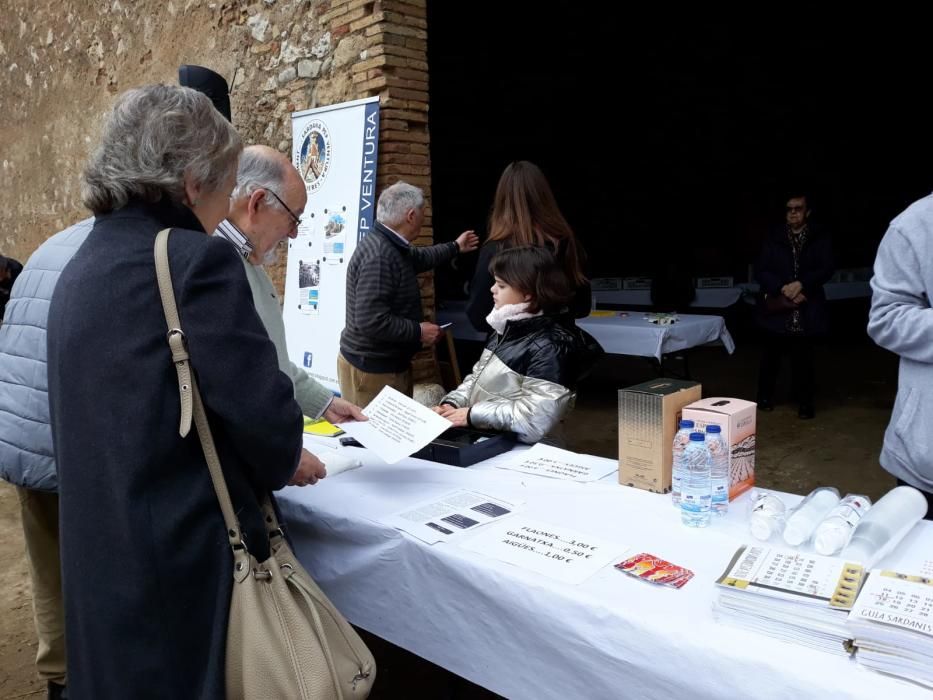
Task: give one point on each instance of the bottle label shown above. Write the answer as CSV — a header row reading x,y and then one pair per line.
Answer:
x,y
851,510
695,502
761,503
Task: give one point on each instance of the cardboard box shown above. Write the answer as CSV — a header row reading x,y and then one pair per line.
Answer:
x,y
648,417
737,420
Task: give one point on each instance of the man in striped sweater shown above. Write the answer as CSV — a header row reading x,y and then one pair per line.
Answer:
x,y
385,326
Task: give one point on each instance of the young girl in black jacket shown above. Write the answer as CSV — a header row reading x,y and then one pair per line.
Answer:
x,y
525,380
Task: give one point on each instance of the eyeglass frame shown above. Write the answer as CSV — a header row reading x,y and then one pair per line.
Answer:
x,y
287,208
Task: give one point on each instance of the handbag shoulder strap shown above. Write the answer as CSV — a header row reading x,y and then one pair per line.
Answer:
x,y
176,338
190,396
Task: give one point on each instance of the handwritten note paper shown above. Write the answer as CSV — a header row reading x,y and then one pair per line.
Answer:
x,y
397,426
552,550
555,463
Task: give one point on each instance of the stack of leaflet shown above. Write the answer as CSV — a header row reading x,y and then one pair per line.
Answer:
x,y
892,625
796,597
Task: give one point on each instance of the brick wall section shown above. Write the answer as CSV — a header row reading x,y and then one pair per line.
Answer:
x,y
394,66
64,61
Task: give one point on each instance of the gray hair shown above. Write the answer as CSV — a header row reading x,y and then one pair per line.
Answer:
x,y
258,171
153,137
396,200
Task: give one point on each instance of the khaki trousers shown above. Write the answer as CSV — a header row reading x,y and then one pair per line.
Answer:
x,y
39,510
359,387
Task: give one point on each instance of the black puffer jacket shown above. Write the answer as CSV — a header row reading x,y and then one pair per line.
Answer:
x,y
526,379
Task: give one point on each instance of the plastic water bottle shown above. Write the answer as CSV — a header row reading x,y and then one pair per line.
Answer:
x,y
695,483
681,438
808,514
718,470
885,525
836,530
766,514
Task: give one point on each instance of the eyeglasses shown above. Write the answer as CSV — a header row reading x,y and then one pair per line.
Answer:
x,y
290,212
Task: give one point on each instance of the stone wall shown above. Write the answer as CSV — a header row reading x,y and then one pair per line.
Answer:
x,y
63,62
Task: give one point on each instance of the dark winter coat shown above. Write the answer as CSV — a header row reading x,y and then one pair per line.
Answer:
x,y
776,268
147,571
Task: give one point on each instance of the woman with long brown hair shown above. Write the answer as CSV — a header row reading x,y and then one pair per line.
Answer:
x,y
525,213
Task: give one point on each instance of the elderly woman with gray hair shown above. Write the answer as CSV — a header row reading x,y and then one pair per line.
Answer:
x,y
146,561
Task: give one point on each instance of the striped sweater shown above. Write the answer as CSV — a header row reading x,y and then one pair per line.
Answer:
x,y
383,327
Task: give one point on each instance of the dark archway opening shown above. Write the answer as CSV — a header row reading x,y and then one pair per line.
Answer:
x,y
658,136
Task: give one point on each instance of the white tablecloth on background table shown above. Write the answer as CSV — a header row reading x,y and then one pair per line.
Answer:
x,y
629,335
523,635
718,298
633,335
721,298
835,291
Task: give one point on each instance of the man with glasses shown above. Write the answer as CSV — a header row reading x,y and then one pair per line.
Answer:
x,y
265,208
795,263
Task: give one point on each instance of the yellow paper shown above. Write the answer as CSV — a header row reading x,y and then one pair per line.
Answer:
x,y
602,313
321,427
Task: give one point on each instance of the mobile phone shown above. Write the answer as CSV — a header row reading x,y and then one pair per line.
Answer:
x,y
350,442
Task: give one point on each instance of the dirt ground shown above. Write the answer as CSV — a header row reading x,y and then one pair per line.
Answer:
x,y
840,447
17,634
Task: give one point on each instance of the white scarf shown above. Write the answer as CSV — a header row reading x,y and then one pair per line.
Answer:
x,y
497,318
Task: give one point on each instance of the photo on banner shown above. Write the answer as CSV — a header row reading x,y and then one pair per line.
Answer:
x,y
335,150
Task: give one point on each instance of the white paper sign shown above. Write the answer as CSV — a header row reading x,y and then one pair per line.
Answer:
x,y
555,463
454,513
397,426
896,599
552,550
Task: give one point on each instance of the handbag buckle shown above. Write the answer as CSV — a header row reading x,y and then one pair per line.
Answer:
x,y
179,332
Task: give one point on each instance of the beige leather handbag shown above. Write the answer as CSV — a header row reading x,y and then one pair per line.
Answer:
x,y
285,639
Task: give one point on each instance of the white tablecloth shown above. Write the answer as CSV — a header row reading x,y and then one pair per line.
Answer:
x,y
724,298
525,636
633,335
705,298
835,291
629,335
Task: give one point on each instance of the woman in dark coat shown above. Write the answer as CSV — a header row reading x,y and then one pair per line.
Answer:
x,y
795,263
146,564
524,213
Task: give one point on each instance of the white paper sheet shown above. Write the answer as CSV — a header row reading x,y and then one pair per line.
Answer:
x,y
902,600
552,550
450,515
553,462
397,427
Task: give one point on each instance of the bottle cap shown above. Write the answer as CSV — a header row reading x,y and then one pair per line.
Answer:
x,y
762,526
713,428
829,540
796,532
686,423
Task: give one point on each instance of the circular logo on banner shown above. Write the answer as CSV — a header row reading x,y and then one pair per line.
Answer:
x,y
313,159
